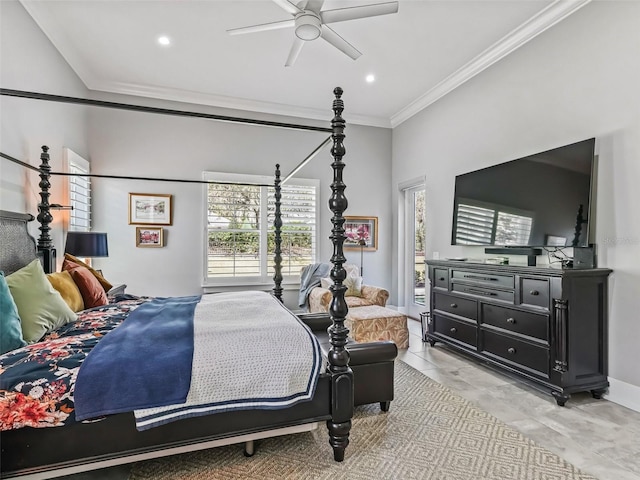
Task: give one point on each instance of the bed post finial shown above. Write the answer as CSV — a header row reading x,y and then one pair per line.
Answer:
x,y
342,377
45,244
277,226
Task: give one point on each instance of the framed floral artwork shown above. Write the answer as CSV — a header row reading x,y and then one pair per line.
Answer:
x,y
149,209
361,232
149,237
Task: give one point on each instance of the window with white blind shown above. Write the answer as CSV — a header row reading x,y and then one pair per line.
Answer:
x,y
79,192
240,239
483,224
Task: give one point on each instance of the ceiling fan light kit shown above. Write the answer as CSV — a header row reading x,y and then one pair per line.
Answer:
x,y
307,26
310,23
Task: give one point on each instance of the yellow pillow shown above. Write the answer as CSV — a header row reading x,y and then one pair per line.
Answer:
x,y
69,260
70,292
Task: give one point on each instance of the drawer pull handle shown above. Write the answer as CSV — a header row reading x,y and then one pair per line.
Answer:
x,y
511,320
453,330
476,277
534,292
441,279
511,350
480,292
454,305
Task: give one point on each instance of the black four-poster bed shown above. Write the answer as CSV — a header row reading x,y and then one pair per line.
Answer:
x,y
47,452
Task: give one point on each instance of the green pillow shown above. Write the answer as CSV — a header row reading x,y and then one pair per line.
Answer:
x,y
40,306
10,331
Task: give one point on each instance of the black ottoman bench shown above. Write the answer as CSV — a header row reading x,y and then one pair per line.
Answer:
x,y
371,362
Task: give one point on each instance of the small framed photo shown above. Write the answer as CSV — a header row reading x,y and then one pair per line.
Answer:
x,y
149,237
149,209
361,232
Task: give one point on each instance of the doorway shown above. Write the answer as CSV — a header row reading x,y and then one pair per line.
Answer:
x,y
414,266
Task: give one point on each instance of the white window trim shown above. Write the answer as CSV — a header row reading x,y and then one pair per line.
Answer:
x,y
232,283
70,157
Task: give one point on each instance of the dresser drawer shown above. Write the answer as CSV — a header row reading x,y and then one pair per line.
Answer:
x,y
514,351
463,307
534,292
461,332
525,323
484,292
441,278
482,278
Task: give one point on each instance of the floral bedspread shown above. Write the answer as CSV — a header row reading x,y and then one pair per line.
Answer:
x,y
37,381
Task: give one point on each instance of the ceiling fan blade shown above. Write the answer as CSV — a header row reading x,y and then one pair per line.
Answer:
x,y
314,5
352,13
263,27
340,43
288,6
294,52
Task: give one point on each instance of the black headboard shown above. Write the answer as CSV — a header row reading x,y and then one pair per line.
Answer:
x,y
17,246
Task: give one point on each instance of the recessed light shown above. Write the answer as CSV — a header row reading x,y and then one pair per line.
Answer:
x,y
370,78
164,40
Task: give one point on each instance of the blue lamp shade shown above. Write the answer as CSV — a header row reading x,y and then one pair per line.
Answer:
x,y
87,244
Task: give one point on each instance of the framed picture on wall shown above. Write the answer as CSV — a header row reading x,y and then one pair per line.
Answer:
x,y
149,237
361,232
149,209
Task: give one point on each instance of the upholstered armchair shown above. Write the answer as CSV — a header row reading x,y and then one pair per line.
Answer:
x,y
357,295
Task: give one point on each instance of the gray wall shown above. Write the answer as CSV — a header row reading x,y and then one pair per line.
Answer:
x,y
126,143
29,62
577,80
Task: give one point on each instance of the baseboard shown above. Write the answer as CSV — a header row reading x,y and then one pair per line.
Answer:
x,y
624,394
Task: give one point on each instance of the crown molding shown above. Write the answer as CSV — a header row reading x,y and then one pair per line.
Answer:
x,y
234,103
546,18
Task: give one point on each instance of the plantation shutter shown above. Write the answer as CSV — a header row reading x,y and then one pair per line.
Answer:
x,y
240,238
79,193
299,217
474,225
479,225
233,225
513,229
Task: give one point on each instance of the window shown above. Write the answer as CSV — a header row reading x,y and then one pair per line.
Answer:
x,y
483,224
240,238
79,192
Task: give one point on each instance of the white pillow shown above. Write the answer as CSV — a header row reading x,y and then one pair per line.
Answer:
x,y
326,282
352,269
353,284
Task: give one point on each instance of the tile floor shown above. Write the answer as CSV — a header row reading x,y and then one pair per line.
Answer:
x,y
599,437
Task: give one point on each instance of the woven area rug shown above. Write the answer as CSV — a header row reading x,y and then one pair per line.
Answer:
x,y
429,433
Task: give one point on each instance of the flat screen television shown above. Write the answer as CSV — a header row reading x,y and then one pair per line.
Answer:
x,y
541,200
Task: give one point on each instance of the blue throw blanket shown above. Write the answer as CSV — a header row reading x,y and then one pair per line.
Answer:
x,y
310,278
156,338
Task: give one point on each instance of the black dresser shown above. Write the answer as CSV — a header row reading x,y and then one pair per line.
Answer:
x,y
545,326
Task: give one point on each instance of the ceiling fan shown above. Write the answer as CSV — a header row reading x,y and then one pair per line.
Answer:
x,y
310,23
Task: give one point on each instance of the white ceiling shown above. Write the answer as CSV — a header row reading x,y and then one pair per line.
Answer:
x,y
418,55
